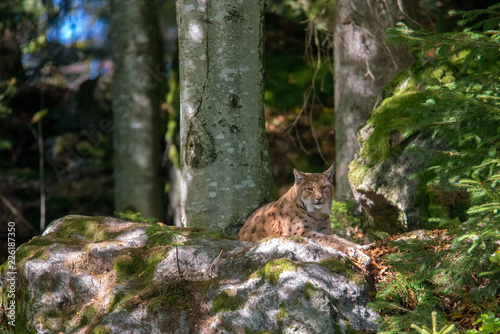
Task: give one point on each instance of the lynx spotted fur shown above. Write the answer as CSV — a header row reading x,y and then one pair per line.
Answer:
x,y
303,211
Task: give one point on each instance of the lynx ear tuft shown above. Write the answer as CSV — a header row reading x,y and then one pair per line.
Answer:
x,y
299,176
329,173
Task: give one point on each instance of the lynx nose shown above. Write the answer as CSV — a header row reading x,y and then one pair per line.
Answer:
x,y
318,198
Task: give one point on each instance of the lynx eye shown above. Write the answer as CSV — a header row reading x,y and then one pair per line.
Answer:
x,y
324,188
309,189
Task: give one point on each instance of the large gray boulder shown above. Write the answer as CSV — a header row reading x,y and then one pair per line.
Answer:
x,y
104,275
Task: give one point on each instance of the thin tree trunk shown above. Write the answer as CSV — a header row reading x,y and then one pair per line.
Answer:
x,y
226,172
364,64
137,86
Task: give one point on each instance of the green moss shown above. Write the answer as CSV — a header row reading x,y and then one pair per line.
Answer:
x,y
100,330
297,239
392,115
162,235
88,313
344,268
22,321
226,301
309,289
282,313
118,298
127,264
88,229
357,172
337,328
252,270
150,265
178,295
35,248
273,269
402,83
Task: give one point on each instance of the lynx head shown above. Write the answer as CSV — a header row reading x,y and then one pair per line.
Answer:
x,y
315,190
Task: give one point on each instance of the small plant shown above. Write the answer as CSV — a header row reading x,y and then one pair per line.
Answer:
x,y
459,111
490,324
425,330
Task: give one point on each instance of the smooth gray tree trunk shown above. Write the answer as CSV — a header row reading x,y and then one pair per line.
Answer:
x,y
364,64
137,92
226,171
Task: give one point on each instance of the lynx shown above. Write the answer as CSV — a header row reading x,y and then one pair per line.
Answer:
x,y
303,211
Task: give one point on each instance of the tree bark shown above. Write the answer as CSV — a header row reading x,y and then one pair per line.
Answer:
x,y
137,88
226,172
364,64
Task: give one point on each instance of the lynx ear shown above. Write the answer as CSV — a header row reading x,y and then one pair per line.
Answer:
x,y
299,176
329,173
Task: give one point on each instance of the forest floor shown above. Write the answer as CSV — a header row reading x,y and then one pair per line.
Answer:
x,y
456,307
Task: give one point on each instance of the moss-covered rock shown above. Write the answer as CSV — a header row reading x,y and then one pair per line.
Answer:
x,y
103,275
383,172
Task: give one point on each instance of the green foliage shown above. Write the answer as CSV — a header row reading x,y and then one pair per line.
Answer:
x,y
162,235
289,68
425,330
341,215
458,75
7,90
490,324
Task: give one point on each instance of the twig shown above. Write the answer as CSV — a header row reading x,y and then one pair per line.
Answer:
x,y
41,159
16,212
177,258
211,265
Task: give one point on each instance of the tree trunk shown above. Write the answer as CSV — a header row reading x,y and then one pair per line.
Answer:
x,y
138,84
226,172
364,64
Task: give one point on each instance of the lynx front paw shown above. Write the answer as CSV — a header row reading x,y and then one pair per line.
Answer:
x,y
359,258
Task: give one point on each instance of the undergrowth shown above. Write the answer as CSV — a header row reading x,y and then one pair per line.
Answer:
x,y
458,274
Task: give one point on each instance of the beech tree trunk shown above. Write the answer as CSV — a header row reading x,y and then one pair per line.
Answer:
x,y
364,64
226,171
137,88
